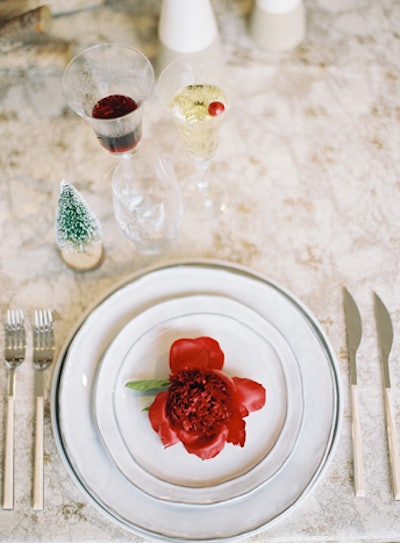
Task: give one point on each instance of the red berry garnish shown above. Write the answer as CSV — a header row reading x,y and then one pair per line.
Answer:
x,y
215,108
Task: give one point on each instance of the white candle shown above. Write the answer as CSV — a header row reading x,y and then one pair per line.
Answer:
x,y
278,25
186,27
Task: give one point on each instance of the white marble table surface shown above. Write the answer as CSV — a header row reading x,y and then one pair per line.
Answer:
x,y
312,174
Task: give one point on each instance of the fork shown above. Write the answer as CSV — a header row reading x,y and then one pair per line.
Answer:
x,y
15,349
43,353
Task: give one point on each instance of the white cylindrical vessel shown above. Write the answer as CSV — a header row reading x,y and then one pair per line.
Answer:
x,y
186,27
278,25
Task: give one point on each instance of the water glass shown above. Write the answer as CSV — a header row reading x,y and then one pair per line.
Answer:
x,y
147,202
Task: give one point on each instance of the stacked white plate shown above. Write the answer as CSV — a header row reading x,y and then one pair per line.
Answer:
x,y
103,430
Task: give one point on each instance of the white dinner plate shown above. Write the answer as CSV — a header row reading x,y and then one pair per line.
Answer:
x,y
253,348
103,482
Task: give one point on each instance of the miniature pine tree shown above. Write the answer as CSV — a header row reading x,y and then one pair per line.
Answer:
x,y
77,230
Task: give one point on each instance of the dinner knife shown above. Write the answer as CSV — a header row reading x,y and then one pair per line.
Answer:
x,y
385,337
354,333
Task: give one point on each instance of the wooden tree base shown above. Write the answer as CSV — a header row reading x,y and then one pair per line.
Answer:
x,y
87,260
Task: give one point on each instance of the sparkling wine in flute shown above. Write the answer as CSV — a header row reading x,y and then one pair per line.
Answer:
x,y
195,108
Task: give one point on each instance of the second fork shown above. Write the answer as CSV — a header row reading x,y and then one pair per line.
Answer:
x,y
43,352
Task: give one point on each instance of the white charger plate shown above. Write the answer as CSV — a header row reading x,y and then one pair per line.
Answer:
x,y
253,349
87,459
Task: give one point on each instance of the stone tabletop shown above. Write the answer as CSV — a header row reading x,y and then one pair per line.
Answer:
x,y
310,164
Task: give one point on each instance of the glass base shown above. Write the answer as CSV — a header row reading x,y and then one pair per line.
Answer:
x,y
201,200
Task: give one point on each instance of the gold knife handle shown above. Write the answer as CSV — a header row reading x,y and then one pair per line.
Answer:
x,y
393,443
358,459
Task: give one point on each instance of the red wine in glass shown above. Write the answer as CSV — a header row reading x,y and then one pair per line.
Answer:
x,y
113,107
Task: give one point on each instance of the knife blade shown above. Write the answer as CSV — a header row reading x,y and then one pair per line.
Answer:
x,y
385,338
353,331
354,334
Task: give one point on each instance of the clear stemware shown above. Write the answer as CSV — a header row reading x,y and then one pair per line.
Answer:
x,y
108,85
199,90
147,202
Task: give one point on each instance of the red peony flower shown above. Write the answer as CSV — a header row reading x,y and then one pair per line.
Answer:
x,y
203,407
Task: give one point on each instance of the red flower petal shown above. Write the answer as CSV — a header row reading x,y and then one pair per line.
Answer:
x,y
200,353
202,446
250,394
159,420
237,431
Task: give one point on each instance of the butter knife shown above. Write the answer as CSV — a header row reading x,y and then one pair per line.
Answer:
x,y
353,334
385,337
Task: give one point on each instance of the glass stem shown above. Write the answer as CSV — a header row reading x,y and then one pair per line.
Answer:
x,y
202,168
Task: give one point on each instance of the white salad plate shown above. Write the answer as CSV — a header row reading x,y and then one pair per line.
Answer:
x,y
266,334
252,347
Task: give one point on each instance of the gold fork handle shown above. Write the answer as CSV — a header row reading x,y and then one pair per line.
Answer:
x,y
38,491
8,480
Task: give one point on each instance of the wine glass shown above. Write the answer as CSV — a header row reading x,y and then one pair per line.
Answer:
x,y
107,85
198,90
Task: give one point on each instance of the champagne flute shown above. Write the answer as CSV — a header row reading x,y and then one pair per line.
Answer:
x,y
107,85
198,90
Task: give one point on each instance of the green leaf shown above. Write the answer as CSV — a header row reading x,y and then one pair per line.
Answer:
x,y
148,384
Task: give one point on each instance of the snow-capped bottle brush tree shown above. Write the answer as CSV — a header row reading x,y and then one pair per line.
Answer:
x,y
78,230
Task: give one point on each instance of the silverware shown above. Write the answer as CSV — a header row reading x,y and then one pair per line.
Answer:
x,y
385,336
354,333
15,348
43,353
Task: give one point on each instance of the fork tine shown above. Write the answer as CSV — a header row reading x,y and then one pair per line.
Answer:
x,y
49,319
15,329
36,329
38,332
20,327
45,321
14,318
49,326
10,328
43,332
38,318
